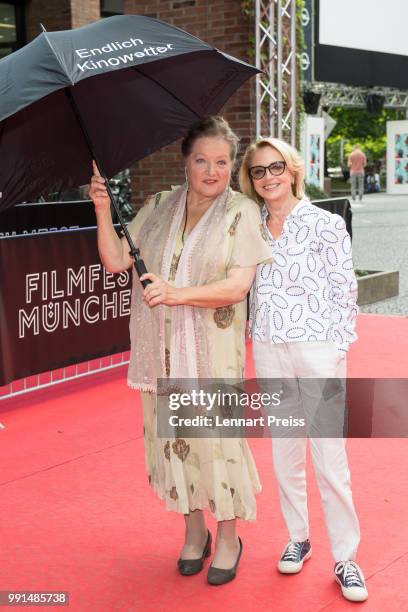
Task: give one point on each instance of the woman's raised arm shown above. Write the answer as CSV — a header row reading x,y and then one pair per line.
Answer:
x,y
113,251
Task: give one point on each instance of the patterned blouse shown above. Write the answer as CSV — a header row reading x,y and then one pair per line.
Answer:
x,y
309,291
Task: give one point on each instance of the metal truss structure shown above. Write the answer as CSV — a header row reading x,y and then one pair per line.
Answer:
x,y
336,94
275,53
275,50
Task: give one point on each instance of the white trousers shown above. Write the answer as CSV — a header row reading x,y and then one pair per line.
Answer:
x,y
311,360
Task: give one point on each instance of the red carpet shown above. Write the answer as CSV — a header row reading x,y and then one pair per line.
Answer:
x,y
78,515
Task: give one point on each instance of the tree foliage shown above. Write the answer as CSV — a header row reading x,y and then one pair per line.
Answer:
x,y
358,126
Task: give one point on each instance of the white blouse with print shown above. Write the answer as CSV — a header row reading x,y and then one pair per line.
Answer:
x,y
309,292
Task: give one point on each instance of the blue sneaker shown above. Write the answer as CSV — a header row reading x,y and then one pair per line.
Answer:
x,y
295,553
351,580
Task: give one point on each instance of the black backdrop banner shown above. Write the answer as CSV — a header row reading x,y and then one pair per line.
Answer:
x,y
338,206
58,305
46,217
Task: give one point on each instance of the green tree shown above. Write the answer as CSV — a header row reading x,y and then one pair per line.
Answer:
x,y
358,126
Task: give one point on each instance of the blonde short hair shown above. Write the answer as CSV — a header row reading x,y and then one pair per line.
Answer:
x,y
291,156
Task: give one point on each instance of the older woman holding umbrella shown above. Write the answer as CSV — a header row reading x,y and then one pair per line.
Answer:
x,y
201,244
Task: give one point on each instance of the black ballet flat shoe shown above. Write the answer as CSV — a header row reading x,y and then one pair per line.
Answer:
x,y
189,567
218,576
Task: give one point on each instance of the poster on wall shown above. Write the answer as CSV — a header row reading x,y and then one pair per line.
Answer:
x,y
314,160
313,150
397,157
401,159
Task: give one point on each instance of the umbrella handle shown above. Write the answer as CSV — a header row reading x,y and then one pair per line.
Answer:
x,y
141,269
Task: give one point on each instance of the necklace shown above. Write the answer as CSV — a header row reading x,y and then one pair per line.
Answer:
x,y
185,225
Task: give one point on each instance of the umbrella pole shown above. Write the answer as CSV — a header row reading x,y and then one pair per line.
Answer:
x,y
134,252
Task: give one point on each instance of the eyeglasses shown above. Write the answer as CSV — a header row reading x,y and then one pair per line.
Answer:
x,y
275,168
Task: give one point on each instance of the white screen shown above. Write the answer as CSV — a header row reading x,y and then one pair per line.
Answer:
x,y
370,25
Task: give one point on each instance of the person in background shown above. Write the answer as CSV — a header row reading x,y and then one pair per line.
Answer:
x,y
303,310
357,162
201,243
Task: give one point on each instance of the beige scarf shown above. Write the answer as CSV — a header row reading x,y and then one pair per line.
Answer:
x,y
198,265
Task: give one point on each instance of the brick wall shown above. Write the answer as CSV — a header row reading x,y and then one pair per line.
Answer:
x,y
220,23
84,11
53,15
59,14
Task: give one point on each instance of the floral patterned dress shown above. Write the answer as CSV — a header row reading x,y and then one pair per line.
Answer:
x,y
215,473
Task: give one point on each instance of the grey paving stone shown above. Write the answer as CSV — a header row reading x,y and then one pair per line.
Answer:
x,y
380,242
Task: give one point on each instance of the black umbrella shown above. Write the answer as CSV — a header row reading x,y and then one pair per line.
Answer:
x,y
114,91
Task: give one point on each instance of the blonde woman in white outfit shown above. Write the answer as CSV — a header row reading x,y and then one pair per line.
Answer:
x,y
302,319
